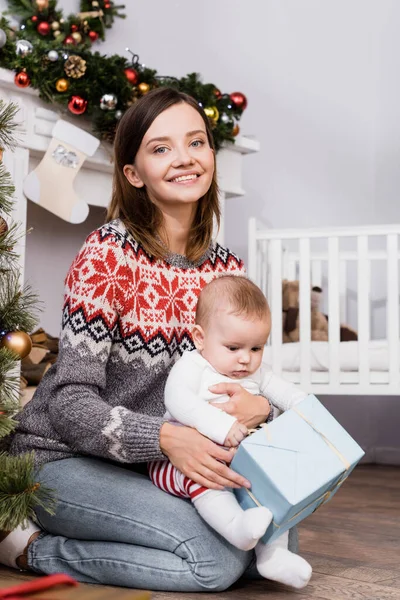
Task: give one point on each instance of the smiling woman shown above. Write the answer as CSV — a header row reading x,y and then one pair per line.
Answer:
x,y
98,413
166,175
176,170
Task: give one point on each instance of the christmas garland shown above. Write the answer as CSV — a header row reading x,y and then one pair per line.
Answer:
x,y
53,55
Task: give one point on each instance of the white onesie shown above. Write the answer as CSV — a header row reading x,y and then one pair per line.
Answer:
x,y
187,395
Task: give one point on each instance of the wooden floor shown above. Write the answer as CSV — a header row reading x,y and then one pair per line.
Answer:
x,y
353,544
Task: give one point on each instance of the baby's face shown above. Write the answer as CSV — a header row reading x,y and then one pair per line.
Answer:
x,y
234,344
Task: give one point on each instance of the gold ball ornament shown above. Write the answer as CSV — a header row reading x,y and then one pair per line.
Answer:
x,y
55,25
62,85
18,342
212,113
235,130
144,88
77,36
57,33
42,4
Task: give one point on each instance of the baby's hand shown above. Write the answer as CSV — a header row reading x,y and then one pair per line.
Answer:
x,y
236,434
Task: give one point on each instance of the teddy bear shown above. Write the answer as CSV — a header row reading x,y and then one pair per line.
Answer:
x,y
319,321
291,313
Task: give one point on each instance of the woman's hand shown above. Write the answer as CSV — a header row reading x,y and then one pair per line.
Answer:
x,y
248,409
199,458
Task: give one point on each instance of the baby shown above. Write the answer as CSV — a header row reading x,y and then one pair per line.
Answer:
x,y
233,322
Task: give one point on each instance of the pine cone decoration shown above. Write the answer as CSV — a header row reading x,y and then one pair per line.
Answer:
x,y
75,66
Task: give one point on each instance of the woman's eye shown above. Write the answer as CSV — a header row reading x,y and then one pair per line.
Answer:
x,y
232,348
197,143
256,349
160,150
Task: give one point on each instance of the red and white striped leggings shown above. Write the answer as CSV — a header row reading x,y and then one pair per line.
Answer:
x,y
169,479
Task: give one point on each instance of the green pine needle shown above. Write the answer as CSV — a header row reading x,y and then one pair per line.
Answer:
x,y
7,425
20,493
7,124
7,190
17,306
9,382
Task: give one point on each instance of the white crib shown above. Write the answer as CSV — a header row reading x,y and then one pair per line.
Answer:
x,y
358,269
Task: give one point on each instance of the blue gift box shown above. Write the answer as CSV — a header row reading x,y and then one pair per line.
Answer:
x,y
295,464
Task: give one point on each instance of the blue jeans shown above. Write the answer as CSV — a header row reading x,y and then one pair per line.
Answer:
x,y
114,527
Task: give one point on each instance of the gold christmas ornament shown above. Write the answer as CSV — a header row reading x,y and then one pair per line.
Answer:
x,y
212,112
55,25
62,85
42,4
77,36
235,130
18,342
144,88
75,66
57,33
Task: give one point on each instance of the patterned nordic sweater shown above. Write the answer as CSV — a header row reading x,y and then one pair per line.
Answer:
x,y
127,318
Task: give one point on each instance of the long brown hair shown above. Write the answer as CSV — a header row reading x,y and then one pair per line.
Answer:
x,y
142,218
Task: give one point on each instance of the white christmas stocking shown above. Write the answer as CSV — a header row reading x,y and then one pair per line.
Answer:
x,y
51,183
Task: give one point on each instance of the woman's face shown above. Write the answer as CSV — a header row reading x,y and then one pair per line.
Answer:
x,y
174,161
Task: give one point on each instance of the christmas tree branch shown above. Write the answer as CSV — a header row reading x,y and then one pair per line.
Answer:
x,y
7,124
7,190
9,384
19,492
16,306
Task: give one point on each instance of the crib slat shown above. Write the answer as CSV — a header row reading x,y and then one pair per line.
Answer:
x,y
276,304
316,273
363,301
265,267
334,307
343,290
305,312
253,248
393,310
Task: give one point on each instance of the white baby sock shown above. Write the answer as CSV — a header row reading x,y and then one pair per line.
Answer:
x,y
276,562
15,543
242,528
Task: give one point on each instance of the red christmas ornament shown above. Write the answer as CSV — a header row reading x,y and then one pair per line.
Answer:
x,y
34,19
77,105
69,40
131,75
74,27
93,35
239,100
107,5
43,28
22,79
217,93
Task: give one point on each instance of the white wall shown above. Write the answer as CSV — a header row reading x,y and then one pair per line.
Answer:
x,y
321,78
